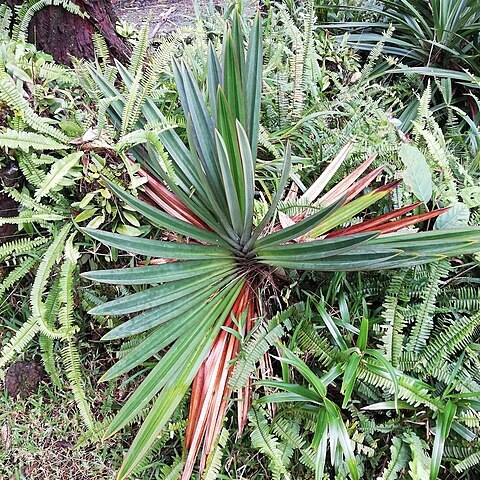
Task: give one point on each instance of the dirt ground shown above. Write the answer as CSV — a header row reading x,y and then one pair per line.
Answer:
x,y
163,15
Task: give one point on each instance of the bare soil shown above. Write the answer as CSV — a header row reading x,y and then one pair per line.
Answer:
x,y
163,16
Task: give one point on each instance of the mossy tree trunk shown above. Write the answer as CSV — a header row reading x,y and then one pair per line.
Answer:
x,y
63,35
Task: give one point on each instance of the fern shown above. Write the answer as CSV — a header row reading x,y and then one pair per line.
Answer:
x,y
311,342
420,463
5,20
100,48
172,472
71,362
18,343
139,51
12,96
424,315
59,170
263,337
398,460
30,217
394,318
265,442
41,279
452,339
31,7
214,461
27,202
21,246
468,462
19,272
26,141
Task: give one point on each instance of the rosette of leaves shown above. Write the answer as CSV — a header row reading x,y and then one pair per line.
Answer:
x,y
206,291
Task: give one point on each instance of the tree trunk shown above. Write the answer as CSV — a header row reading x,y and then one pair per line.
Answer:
x,y
63,35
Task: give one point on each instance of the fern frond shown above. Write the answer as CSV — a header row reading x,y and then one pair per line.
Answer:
x,y
60,169
132,106
19,272
19,341
459,299
41,279
264,336
71,360
5,19
12,96
28,202
31,7
409,389
139,51
452,339
468,462
172,472
21,246
52,72
310,341
265,441
48,358
28,140
394,318
100,48
30,217
214,461
424,316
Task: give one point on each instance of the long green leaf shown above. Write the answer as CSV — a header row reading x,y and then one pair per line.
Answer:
x,y
160,295
165,272
165,220
175,387
158,248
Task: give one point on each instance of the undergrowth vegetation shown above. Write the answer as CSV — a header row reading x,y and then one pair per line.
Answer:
x,y
282,234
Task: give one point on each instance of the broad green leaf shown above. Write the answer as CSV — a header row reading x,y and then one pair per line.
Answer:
x,y
471,196
350,377
455,217
417,174
305,371
307,394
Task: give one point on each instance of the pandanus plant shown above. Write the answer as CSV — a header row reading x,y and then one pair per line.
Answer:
x,y
205,288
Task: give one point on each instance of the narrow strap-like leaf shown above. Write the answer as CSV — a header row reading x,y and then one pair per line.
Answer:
x,y
248,167
157,248
159,295
164,313
214,80
167,221
165,272
228,185
253,84
287,165
315,250
300,228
